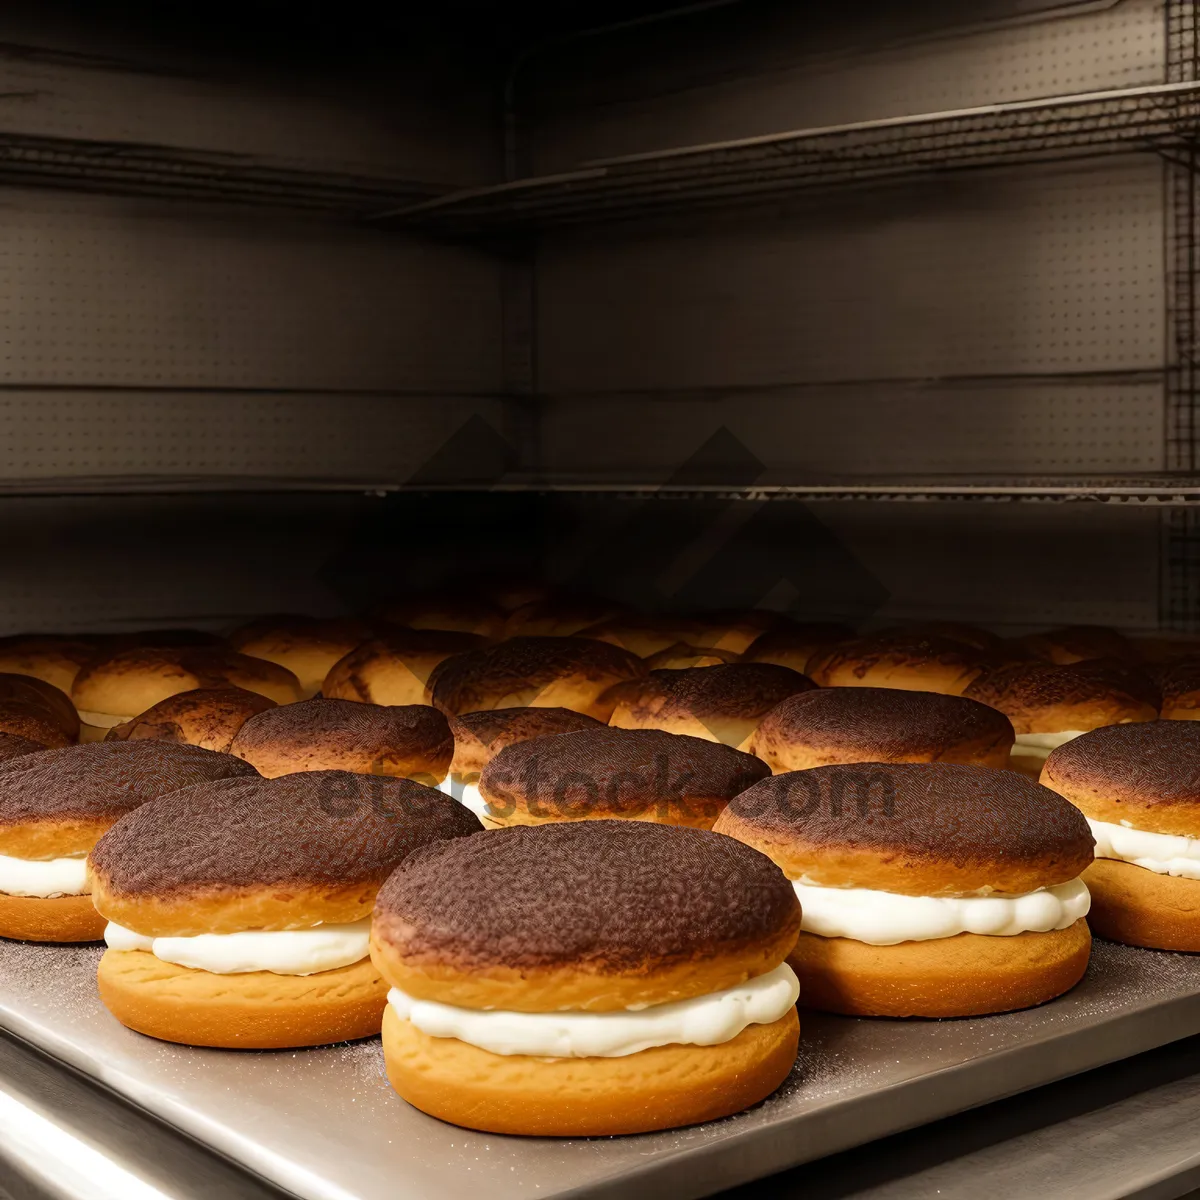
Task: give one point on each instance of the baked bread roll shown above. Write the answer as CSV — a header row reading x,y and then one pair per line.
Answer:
x,y
409,741
239,912
306,646
114,689
1138,785
206,717
721,704
1050,705
865,725
1078,643
627,774
395,668
927,889
898,660
458,614
55,805
587,979
794,645
535,672
33,709
52,659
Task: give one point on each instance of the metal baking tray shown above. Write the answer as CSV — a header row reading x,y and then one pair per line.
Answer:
x,y
325,1125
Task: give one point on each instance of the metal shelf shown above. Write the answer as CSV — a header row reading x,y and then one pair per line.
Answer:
x,y
1159,118
1168,490
138,169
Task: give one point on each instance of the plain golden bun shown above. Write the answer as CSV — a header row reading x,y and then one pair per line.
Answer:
x,y
721,704
920,829
535,672
54,660
33,709
558,616
480,736
457,614
1146,774
306,646
899,660
253,853
665,1087
1078,643
395,668
680,657
206,717
1178,682
862,725
410,741
1139,907
965,976
114,689
508,920
628,774
252,1011
792,646
1040,697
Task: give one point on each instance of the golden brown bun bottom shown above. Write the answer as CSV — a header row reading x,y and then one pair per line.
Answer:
x,y
1142,908
965,976
54,919
252,1011
665,1087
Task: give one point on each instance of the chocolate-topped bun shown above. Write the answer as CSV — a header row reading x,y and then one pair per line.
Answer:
x,y
794,645
588,979
31,708
395,668
53,659
239,912
1138,786
854,725
206,717
1178,682
954,631
928,889
306,646
114,689
899,660
456,614
55,805
1078,643
681,656
410,741
561,615
12,746
480,736
535,672
1049,705
629,774
721,704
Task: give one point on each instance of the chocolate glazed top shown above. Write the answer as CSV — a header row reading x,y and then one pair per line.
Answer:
x,y
939,811
735,690
1148,762
620,771
888,721
105,779
596,894
12,746
333,828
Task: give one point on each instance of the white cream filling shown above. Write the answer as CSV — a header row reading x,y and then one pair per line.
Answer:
x,y
467,794
44,877
1039,745
102,720
1162,853
702,1021
888,918
280,951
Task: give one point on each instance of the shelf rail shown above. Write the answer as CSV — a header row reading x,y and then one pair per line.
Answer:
x,y
1160,118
